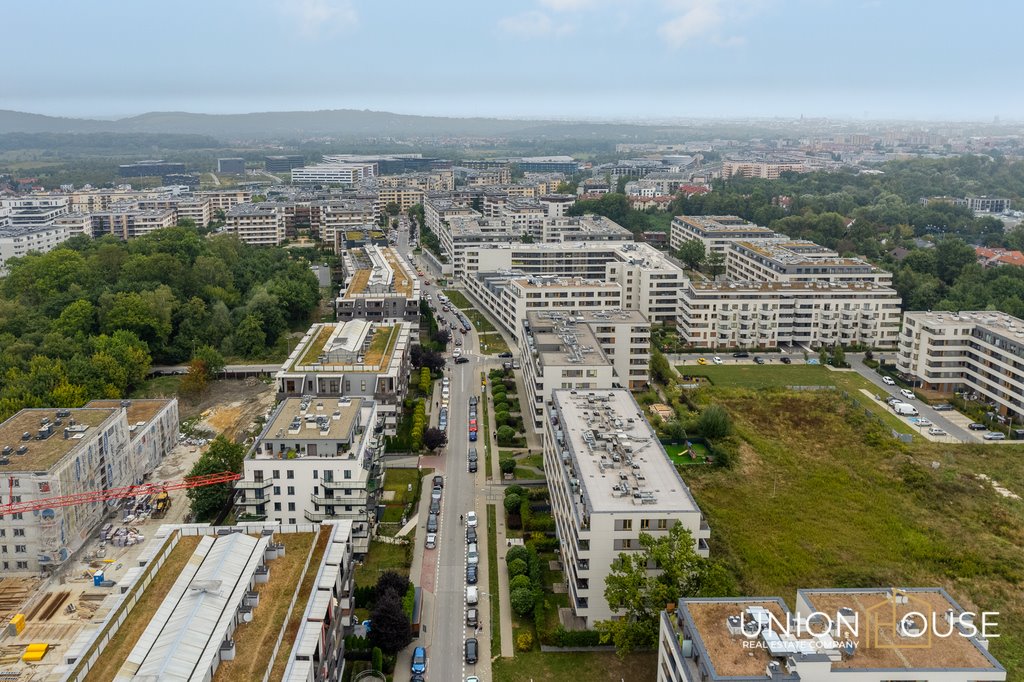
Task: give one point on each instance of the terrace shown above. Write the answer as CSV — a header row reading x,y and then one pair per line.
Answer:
x,y
43,454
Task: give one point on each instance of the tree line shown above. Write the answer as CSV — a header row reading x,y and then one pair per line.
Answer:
x,y
88,319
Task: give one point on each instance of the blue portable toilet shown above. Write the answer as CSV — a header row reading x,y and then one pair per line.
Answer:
x,y
97,579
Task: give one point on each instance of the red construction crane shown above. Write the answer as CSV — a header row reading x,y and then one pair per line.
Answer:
x,y
115,493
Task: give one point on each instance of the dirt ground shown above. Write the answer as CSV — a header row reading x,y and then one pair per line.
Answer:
x,y
230,406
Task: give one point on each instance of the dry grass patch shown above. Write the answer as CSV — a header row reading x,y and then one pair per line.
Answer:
x,y
131,630
316,347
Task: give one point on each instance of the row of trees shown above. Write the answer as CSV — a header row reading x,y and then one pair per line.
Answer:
x,y
88,319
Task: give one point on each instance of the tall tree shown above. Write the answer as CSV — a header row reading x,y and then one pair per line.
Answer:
x,y
389,626
692,253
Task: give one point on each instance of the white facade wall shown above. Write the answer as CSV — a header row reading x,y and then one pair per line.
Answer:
x,y
18,242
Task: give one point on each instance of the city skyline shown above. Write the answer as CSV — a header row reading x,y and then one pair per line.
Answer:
x,y
579,59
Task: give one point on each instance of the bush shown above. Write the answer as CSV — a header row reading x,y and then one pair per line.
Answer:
x,y
365,596
515,490
501,407
512,504
377,656
714,422
517,552
517,569
572,638
507,437
524,642
502,418
544,543
507,467
522,600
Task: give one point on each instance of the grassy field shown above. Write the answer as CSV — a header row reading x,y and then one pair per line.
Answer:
x,y
780,376
383,557
458,299
842,504
158,387
492,577
677,453
122,643
494,342
598,666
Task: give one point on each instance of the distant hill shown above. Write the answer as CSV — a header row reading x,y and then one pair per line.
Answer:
x,y
339,122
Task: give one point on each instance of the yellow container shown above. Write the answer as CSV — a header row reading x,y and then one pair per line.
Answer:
x,y
18,623
35,652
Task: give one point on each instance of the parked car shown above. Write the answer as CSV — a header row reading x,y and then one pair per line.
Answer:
x,y
473,556
472,454
888,381
976,426
506,365
473,400
438,481
759,360
472,425
471,574
431,540
905,409
935,431
472,617
506,354
419,660
472,436
432,523
472,466
942,407
923,422
472,595
435,493
515,364
471,519
470,535
472,649
741,354
994,435
785,359
435,506
907,393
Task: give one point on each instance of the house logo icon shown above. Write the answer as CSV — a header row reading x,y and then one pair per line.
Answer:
x,y
901,621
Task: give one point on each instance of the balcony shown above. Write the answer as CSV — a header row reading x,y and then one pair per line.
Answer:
x,y
317,517
335,501
246,484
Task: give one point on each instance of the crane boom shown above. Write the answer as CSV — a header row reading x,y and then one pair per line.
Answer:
x,y
117,493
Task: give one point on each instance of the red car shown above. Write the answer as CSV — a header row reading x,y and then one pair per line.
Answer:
x,y
472,425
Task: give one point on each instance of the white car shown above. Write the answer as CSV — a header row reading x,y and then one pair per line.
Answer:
x,y
888,381
457,352
923,422
471,519
431,540
446,381
936,431
994,435
717,360
907,393
445,392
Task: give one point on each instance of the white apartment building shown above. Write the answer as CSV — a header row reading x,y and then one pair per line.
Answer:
x,y
128,222
223,199
557,205
334,173
185,207
316,459
650,281
977,351
610,479
259,224
797,260
379,285
338,215
716,232
769,314
356,358
34,210
76,223
49,452
16,242
582,350
755,169
508,297
405,197
833,635
153,429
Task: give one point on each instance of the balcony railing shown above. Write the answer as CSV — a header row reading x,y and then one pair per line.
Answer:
x,y
246,484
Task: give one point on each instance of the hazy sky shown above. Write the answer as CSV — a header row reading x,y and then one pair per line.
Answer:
x,y
935,59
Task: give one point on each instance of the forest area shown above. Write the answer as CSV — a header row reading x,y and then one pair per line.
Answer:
x,y
87,320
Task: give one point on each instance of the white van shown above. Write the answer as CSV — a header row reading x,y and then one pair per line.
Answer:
x,y
905,409
472,595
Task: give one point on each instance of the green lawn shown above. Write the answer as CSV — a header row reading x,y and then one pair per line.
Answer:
x,y
492,578
480,323
599,666
399,481
528,474
158,387
383,557
458,299
846,505
677,453
493,343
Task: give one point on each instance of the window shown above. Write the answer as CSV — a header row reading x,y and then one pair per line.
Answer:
x,y
625,524
348,473
277,506
662,524
292,520
277,473
315,474
6,565
291,506
645,524
277,490
20,549
291,474
20,564
291,490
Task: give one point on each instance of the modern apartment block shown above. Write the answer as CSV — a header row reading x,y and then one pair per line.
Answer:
x,y
404,197
356,358
185,207
797,260
610,480
317,458
977,351
334,173
755,169
987,204
717,232
380,286
128,222
223,199
330,219
153,428
259,224
16,242
582,350
769,314
51,452
833,635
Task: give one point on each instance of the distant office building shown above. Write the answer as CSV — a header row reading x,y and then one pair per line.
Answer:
x,y
231,166
141,169
334,173
389,164
284,163
188,180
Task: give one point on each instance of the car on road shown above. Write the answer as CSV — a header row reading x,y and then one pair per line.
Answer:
x,y
994,435
431,540
438,481
472,648
427,282
471,678
473,454
759,360
458,341
942,407
473,556
472,595
506,354
907,393
785,359
461,360
472,425
432,523
472,436
741,354
702,361
435,505
457,353
471,519
936,431
472,617
474,399
446,392
472,466
435,493
892,400
470,535
888,381
717,360
419,660
471,575
976,426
